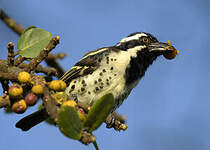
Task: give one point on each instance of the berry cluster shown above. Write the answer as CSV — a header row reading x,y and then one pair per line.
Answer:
x,y
26,92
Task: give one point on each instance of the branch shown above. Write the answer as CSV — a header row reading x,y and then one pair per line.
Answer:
x,y
119,117
11,56
56,56
8,72
41,69
11,23
4,103
5,85
51,61
50,104
54,63
116,121
19,60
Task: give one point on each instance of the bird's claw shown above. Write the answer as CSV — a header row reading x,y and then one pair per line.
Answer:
x,y
112,122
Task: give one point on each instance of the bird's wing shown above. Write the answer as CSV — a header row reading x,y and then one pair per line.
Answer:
x,y
89,63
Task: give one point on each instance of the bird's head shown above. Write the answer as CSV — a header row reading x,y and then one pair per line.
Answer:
x,y
141,42
143,49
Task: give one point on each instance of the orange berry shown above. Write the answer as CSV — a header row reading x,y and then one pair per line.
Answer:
x,y
171,55
19,107
15,91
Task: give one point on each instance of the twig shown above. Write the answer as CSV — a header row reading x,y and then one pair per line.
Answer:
x,y
54,63
16,53
11,55
11,23
4,103
41,69
8,76
56,56
116,121
119,117
43,54
51,61
5,86
11,72
19,60
87,138
8,72
19,30
50,104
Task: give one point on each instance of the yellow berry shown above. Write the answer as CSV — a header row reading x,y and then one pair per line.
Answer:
x,y
71,103
57,85
54,85
1,98
24,77
60,97
63,85
15,90
19,107
37,89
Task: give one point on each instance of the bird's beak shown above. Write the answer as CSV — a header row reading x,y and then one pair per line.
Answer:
x,y
161,48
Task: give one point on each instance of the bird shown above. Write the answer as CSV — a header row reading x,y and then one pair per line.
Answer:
x,y
116,69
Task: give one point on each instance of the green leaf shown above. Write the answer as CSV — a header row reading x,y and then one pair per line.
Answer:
x,y
99,111
50,121
69,122
32,41
28,28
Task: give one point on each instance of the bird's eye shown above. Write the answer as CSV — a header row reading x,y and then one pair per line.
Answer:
x,y
145,40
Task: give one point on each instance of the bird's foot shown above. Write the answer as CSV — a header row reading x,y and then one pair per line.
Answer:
x,y
116,121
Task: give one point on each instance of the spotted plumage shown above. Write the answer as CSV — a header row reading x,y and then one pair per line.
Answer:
x,y
116,69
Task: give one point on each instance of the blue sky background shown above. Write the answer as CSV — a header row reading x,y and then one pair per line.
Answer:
x,y
168,110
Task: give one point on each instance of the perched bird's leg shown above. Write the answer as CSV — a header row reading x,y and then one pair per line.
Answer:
x,y
110,121
116,121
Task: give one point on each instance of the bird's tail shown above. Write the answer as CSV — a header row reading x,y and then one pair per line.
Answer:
x,y
31,120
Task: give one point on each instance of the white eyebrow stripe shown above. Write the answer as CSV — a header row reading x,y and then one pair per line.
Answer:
x,y
134,37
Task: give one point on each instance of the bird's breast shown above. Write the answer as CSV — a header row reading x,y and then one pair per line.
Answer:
x,y
108,78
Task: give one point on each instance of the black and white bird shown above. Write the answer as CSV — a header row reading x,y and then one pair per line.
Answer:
x,y
116,69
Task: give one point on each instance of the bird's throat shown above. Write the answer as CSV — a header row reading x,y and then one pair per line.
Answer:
x,y
138,66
